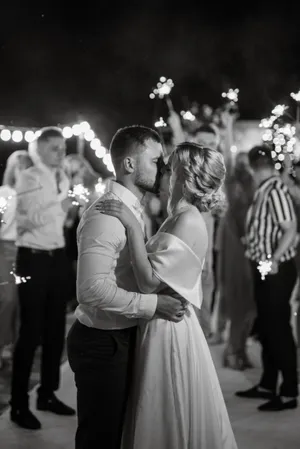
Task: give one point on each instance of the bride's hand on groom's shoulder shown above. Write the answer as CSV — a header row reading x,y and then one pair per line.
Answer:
x,y
171,308
119,210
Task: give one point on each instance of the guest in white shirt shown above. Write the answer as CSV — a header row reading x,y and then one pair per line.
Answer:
x,y
41,194
16,162
101,342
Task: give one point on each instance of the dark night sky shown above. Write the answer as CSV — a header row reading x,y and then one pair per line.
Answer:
x,y
59,63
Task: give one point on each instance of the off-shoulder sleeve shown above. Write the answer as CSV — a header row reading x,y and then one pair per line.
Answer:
x,y
177,266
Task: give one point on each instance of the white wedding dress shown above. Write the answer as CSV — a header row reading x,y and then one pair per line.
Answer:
x,y
176,401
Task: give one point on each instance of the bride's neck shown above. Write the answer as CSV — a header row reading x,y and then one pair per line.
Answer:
x,y
180,206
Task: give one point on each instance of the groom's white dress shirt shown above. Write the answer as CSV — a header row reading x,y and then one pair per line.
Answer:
x,y
107,291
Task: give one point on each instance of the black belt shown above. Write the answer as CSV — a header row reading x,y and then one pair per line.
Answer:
x,y
45,252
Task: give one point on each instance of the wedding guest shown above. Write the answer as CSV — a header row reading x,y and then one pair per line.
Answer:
x,y
236,278
293,182
42,193
271,229
16,163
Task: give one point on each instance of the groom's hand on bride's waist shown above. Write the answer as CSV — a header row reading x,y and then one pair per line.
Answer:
x,y
172,308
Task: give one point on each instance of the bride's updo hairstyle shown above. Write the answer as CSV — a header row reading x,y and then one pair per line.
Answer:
x,y
201,172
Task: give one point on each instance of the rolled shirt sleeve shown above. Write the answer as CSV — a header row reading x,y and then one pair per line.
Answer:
x,y
100,240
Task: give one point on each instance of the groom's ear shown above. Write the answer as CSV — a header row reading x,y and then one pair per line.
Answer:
x,y
129,165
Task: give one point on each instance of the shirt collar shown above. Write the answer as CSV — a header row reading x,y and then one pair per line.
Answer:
x,y
125,195
267,181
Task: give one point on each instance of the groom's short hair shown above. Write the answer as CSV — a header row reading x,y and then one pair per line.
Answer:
x,y
49,132
129,140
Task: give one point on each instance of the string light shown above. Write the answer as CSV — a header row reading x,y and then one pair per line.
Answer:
x,y
67,132
29,136
89,135
17,136
80,130
162,89
76,130
95,143
5,135
108,162
79,193
100,152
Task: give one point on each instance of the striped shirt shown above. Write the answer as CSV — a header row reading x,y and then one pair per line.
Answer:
x,y
272,204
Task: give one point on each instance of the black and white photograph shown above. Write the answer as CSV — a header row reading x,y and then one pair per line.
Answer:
x,y
149,225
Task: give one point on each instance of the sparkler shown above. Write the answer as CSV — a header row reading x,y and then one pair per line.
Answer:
x,y
160,123
264,267
267,122
296,97
80,193
20,279
281,135
232,95
188,115
17,279
279,110
3,206
4,203
163,90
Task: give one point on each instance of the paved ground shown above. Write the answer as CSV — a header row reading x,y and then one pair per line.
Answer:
x,y
252,429
5,375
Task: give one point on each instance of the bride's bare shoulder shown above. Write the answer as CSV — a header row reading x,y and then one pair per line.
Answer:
x,y
187,225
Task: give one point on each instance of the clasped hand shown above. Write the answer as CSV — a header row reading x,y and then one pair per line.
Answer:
x,y
119,210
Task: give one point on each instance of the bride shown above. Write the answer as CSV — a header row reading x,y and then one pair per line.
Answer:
x,y
176,400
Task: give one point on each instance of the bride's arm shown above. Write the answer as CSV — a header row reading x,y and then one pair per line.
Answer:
x,y
142,268
186,227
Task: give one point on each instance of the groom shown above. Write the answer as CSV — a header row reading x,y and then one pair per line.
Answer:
x,y
101,342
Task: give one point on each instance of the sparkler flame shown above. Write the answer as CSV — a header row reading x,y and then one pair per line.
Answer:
x,y
296,96
267,122
264,267
4,203
188,115
281,135
79,192
279,110
19,279
163,88
232,95
160,123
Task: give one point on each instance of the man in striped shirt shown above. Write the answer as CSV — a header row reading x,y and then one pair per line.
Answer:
x,y
271,234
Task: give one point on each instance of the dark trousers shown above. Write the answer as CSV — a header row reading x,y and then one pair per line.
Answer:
x,y
42,321
102,361
279,355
